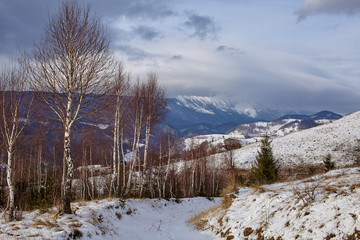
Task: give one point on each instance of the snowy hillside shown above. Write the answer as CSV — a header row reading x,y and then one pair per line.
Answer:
x,y
284,125
150,219
322,207
340,139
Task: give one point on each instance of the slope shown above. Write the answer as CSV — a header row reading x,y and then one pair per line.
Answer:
x,y
340,139
284,125
322,207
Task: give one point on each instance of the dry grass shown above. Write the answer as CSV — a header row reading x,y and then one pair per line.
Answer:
x,y
44,222
330,189
75,223
227,201
300,171
200,220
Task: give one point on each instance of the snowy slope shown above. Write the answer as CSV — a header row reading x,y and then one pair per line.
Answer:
x,y
149,219
340,139
284,125
315,208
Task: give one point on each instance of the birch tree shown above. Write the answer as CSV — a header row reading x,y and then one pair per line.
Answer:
x,y
121,86
69,69
136,112
14,114
155,110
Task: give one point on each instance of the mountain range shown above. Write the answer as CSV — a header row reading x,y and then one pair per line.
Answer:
x,y
195,115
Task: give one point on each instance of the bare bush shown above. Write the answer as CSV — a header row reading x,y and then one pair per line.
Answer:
x,y
307,194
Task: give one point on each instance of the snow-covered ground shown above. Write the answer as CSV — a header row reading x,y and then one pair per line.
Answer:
x,y
326,205
149,219
215,140
340,139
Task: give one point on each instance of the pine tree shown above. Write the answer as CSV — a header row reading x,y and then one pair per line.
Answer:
x,y
328,164
264,169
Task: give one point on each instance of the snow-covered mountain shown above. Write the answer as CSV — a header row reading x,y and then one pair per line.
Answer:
x,y
207,115
284,125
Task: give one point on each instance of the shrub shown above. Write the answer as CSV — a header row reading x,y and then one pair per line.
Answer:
x,y
118,215
248,231
264,169
75,234
231,144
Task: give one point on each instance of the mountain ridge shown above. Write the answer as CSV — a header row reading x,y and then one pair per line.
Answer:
x,y
196,115
284,125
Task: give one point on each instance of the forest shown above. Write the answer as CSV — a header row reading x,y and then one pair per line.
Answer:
x,y
75,125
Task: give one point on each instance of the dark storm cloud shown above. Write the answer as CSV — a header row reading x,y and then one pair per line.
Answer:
x,y
312,7
22,21
147,33
203,26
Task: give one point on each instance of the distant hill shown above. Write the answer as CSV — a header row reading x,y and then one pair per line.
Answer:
x,y
284,125
318,116
339,138
208,115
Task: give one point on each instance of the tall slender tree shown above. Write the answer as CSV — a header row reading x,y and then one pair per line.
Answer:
x,y
122,88
14,114
155,110
69,69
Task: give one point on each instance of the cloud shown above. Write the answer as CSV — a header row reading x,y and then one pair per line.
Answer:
x,y
19,26
267,77
176,57
231,50
147,33
313,7
203,26
23,22
133,53
134,9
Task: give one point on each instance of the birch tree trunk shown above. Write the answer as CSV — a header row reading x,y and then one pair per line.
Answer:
x,y
70,169
146,147
115,147
11,206
167,166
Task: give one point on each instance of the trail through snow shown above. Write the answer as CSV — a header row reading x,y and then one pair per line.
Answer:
x,y
149,219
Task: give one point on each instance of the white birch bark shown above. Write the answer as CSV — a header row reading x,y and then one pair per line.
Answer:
x,y
146,147
11,206
115,147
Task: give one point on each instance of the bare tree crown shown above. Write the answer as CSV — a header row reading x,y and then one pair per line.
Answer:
x,y
72,62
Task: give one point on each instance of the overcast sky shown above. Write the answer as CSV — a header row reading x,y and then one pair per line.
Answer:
x,y
298,54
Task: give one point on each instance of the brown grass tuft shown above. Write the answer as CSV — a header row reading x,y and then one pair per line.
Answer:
x,y
200,220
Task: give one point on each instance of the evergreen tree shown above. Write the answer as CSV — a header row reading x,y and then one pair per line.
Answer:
x,y
328,164
264,169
